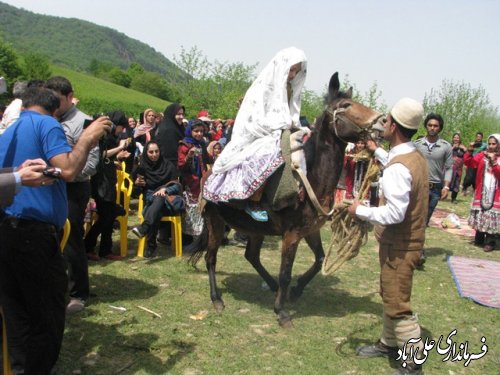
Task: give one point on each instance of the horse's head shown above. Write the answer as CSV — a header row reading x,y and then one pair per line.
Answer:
x,y
348,119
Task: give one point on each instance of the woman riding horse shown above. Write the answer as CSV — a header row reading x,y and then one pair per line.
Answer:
x,y
344,120
271,105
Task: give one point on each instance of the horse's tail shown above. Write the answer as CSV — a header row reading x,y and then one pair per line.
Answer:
x,y
201,248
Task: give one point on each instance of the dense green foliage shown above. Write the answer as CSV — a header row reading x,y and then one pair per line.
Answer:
x,y
74,43
9,67
36,66
465,110
96,95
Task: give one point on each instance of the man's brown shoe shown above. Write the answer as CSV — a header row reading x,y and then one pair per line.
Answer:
x,y
377,350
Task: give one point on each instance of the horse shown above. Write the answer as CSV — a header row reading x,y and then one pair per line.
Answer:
x,y
343,120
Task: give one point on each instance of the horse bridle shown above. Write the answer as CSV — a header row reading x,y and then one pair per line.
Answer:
x,y
364,133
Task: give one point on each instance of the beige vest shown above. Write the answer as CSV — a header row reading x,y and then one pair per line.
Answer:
x,y
410,233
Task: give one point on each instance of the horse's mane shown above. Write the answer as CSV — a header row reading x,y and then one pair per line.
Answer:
x,y
310,145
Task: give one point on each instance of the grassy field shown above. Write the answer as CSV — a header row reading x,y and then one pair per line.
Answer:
x,y
336,314
97,95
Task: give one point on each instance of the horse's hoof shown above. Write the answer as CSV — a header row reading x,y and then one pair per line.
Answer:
x,y
219,306
284,320
286,323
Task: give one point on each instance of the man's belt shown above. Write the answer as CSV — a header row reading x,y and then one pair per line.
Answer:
x,y
15,222
435,186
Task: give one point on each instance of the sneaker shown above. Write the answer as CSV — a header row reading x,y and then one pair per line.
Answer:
x,y
75,305
256,212
138,231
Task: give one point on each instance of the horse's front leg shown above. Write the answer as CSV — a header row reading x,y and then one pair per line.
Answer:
x,y
288,250
215,227
314,242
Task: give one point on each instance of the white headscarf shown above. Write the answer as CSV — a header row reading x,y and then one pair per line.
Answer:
x,y
496,136
265,110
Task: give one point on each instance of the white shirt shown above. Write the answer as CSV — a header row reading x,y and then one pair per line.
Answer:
x,y
11,114
396,187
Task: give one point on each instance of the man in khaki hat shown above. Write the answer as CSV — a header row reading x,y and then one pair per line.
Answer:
x,y
400,223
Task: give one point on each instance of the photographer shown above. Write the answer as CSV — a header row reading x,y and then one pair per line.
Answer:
x,y
103,184
78,190
33,279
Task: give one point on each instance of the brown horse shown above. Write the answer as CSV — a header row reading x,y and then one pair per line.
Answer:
x,y
343,120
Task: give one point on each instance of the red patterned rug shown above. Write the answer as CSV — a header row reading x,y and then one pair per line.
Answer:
x,y
437,219
477,279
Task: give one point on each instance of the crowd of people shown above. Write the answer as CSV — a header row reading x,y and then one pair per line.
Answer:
x,y
167,156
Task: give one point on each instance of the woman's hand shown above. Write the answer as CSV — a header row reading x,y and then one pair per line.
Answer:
x,y
139,181
161,193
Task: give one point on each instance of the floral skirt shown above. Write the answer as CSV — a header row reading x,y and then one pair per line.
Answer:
x,y
485,221
244,180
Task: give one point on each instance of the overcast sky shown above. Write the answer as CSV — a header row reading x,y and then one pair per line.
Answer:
x,y
407,47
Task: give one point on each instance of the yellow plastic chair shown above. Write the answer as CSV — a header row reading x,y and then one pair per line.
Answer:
x,y
123,194
66,232
5,351
176,233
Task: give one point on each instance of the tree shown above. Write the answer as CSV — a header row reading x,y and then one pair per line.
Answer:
x,y
312,105
216,86
465,109
118,76
36,66
9,65
134,70
371,98
153,84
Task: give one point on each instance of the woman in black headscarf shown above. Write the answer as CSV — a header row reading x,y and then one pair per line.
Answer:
x,y
103,184
171,131
157,177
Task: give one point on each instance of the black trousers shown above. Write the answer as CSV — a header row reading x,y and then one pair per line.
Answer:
x,y
33,284
152,215
103,226
74,252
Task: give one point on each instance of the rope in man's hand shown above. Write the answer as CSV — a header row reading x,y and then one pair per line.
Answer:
x,y
348,233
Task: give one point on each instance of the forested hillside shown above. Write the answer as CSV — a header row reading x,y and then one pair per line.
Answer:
x,y
96,95
74,43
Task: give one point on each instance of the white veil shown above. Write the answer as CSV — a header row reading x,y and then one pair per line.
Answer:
x,y
265,110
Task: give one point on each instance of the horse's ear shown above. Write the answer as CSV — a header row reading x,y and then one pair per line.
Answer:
x,y
349,93
333,86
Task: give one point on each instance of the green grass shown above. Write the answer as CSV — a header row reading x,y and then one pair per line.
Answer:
x,y
336,314
97,95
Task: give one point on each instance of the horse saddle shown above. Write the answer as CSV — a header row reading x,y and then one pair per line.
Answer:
x,y
282,188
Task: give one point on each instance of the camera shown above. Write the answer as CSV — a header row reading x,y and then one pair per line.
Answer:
x,y
52,172
87,122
